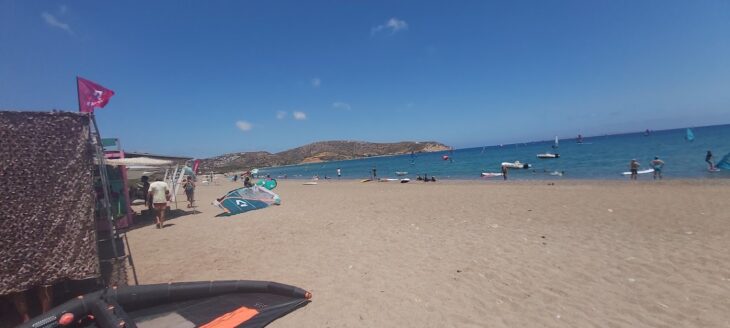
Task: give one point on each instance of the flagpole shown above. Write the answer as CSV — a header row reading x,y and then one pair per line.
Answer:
x,y
78,93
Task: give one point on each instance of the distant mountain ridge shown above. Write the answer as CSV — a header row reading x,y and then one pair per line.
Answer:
x,y
316,152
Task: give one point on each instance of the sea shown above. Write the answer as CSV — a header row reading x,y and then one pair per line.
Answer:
x,y
597,157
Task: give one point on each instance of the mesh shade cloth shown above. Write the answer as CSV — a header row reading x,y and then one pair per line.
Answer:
x,y
46,200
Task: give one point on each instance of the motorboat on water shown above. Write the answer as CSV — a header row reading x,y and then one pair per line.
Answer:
x,y
491,174
548,155
516,165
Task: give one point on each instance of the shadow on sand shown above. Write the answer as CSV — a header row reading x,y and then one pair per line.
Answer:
x,y
147,218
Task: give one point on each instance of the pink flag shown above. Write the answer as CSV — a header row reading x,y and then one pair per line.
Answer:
x,y
196,164
92,95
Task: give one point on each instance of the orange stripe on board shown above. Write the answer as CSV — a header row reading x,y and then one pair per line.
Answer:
x,y
232,319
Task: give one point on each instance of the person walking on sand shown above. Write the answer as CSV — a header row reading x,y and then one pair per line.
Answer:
x,y
634,166
339,173
708,159
657,164
159,195
189,186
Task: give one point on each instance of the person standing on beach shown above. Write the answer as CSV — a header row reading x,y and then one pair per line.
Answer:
x,y
146,191
708,159
339,173
634,166
657,164
375,173
504,172
247,182
159,195
189,187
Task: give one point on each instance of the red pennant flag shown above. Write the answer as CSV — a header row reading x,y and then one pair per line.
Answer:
x,y
92,95
196,164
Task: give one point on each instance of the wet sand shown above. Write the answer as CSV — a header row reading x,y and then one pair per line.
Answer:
x,y
467,254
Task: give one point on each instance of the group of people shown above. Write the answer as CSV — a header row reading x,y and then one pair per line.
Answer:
x,y
658,165
426,178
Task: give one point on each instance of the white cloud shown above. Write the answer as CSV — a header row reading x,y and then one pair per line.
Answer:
x,y
341,105
280,115
299,116
316,82
393,24
54,22
244,126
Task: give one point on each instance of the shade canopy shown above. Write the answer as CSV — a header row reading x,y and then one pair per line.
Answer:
x,y
139,161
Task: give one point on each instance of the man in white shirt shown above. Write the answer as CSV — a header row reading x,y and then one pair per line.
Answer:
x,y
158,195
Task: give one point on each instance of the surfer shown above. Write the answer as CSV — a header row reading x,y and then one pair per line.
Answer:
x,y
657,164
159,195
634,166
708,159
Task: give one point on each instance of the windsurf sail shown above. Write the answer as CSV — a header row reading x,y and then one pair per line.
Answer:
x,y
247,199
555,145
724,163
690,136
238,303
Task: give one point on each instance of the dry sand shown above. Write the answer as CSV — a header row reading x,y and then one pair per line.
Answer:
x,y
467,254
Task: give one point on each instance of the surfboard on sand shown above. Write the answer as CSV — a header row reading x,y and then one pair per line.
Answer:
x,y
366,180
310,183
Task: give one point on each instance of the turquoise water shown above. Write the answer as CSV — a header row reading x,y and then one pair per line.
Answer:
x,y
603,157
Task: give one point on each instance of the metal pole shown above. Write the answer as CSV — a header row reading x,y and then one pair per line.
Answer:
x,y
105,184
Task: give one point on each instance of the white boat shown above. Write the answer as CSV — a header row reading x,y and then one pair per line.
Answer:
x,y
548,155
401,173
516,165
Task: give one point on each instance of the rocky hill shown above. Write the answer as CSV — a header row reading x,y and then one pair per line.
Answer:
x,y
315,152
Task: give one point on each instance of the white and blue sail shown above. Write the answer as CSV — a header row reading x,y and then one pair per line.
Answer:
x,y
724,163
690,136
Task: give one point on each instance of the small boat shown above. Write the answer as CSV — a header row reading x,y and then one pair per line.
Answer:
x,y
406,180
491,174
516,165
690,136
401,173
548,155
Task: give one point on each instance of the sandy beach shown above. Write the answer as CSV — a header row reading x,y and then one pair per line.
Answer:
x,y
467,253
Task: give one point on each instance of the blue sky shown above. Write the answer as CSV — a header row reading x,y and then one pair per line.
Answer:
x,y
203,78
